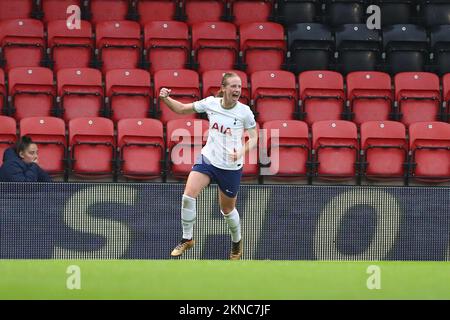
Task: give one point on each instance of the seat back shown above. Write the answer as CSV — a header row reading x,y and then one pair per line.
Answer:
x,y
291,12
274,95
32,92
203,11
18,9
3,95
185,88
49,134
440,44
370,96
436,13
418,96
322,95
156,10
129,93
141,147
108,10
339,12
248,11
8,134
446,92
57,9
396,12
167,45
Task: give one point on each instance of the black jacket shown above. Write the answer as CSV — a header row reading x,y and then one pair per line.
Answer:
x,y
15,169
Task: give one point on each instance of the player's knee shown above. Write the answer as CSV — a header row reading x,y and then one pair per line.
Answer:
x,y
227,210
188,202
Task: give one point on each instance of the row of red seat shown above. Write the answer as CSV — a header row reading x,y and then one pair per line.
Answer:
x,y
330,150
274,95
167,45
145,10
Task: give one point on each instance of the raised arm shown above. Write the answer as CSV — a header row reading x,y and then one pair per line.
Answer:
x,y
174,105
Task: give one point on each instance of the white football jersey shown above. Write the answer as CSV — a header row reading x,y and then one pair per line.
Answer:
x,y
226,129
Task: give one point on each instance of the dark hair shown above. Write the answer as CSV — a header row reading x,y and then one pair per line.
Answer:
x,y
225,78
23,143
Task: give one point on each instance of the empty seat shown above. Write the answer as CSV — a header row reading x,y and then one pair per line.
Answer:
x,y
185,139
284,141
322,95
16,9
167,45
311,47
250,170
212,81
384,149
446,96
359,48
49,134
141,148
246,11
8,134
435,12
429,144
418,96
274,95
405,47
22,42
156,10
91,146
129,93
3,103
57,9
291,12
70,48
118,44
215,45
396,11
335,149
370,96
185,88
108,10
440,46
262,46
80,92
31,92
340,12
197,11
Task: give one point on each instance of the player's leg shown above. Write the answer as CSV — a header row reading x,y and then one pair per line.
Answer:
x,y
196,182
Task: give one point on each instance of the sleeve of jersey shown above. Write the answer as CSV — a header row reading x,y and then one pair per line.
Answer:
x,y
201,105
249,121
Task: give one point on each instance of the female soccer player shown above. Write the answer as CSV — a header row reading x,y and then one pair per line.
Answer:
x,y
221,159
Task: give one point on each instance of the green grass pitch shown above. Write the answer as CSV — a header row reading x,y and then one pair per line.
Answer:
x,y
228,280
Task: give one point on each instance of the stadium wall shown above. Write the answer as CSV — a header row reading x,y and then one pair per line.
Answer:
x,y
280,222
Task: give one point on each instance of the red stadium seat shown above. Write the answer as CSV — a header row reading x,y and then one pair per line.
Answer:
x,y
70,48
245,11
417,96
3,104
284,142
22,42
446,94
215,45
92,146
203,10
129,93
384,149
16,9
369,96
185,88
185,139
167,45
212,80
274,95
118,44
57,9
429,144
141,148
31,92
49,134
156,10
335,149
322,95
80,92
262,46
251,159
8,134
108,10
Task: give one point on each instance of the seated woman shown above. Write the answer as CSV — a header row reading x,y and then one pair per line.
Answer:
x,y
20,164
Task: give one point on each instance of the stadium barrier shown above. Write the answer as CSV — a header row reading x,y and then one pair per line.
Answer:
x,y
279,222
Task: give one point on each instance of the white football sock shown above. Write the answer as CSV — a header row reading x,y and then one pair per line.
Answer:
x,y
234,224
188,214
